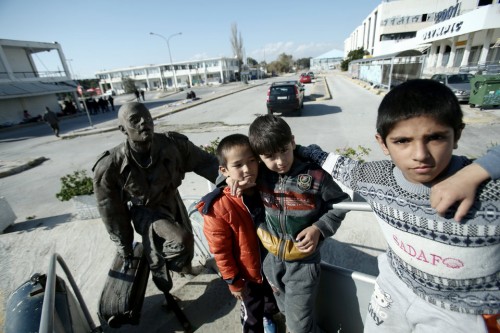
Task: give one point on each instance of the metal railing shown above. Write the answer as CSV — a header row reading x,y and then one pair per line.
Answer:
x,y
48,308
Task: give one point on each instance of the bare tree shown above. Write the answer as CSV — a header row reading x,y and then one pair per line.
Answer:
x,y
237,45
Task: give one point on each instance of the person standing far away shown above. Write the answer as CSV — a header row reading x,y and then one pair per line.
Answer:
x,y
51,118
111,102
136,92
142,94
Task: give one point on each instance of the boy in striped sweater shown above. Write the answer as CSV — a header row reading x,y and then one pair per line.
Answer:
x,y
437,275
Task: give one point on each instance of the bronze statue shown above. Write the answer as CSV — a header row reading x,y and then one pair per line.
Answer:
x,y
136,183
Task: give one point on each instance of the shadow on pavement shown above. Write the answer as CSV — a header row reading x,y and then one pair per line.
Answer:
x,y
46,223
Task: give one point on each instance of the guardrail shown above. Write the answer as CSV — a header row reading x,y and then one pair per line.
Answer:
x,y
48,308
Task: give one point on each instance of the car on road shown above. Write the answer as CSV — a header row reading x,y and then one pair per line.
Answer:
x,y
305,78
459,83
285,96
311,74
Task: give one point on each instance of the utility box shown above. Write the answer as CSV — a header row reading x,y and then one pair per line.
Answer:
x,y
485,91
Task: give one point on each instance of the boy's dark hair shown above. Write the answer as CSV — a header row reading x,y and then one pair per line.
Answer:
x,y
421,97
227,143
268,134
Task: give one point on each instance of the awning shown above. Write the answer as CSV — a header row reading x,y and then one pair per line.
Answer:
x,y
26,89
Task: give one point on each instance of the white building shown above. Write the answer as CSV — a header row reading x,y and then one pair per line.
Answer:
x,y
327,61
23,86
164,76
455,35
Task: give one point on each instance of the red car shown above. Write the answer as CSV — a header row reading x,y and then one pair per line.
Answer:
x,y
305,78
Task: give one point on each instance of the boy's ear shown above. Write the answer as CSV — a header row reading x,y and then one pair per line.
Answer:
x,y
223,170
382,144
457,137
293,142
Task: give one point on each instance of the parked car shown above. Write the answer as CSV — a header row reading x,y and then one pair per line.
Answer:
x,y
305,78
311,74
285,96
458,83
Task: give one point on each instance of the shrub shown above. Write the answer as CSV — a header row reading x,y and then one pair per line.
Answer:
x,y
211,148
354,153
72,185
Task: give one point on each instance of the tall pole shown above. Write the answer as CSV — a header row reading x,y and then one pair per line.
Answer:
x,y
169,53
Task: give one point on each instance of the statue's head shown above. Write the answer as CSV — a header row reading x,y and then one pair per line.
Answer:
x,y
135,121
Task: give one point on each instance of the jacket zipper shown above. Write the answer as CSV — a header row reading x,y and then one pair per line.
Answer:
x,y
281,215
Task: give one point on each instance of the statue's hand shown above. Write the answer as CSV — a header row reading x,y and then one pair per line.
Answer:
x,y
127,262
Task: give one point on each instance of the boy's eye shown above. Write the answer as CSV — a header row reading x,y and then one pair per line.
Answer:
x,y
400,141
436,137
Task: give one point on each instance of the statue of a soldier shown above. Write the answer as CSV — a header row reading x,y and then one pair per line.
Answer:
x,y
136,183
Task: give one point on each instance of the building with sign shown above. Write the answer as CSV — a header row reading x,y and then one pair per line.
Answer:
x,y
171,76
452,35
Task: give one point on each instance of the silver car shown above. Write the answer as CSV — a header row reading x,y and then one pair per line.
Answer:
x,y
458,83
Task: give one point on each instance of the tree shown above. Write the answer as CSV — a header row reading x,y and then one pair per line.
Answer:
x,y
128,85
283,64
353,55
252,62
237,45
304,63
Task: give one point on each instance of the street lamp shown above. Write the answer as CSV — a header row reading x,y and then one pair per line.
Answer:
x,y
169,53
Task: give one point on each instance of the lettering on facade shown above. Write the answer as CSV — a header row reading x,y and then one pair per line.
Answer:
x,y
426,256
443,31
448,13
400,20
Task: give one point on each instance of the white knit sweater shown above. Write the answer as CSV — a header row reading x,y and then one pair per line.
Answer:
x,y
453,265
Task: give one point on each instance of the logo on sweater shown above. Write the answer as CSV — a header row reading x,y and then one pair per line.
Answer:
x,y
379,304
304,181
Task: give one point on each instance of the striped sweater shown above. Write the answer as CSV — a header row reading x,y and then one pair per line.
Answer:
x,y
452,265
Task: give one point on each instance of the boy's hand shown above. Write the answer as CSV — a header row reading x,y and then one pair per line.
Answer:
x,y
308,239
237,187
238,294
460,188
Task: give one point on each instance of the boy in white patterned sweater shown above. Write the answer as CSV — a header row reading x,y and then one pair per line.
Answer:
x,y
437,275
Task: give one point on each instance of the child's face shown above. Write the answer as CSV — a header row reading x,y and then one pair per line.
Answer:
x,y
241,164
280,162
420,147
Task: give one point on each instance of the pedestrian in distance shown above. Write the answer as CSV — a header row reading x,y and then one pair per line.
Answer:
x,y
136,187
137,95
142,94
230,229
436,275
51,118
111,102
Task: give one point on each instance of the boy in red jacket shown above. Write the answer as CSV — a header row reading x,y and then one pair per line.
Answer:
x,y
231,234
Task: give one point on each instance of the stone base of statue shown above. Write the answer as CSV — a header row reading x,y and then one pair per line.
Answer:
x,y
85,207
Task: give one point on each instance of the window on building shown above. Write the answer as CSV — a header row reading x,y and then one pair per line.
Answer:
x,y
424,17
459,55
484,2
398,36
475,52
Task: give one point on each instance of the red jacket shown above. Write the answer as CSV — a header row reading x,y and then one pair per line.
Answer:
x,y
232,238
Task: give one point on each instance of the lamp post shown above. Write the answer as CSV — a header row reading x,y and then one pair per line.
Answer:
x,y
169,53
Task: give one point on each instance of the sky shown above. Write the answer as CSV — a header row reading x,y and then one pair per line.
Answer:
x,y
112,34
